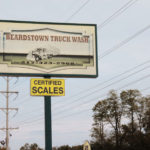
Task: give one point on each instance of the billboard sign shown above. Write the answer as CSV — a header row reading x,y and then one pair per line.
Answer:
x,y
48,49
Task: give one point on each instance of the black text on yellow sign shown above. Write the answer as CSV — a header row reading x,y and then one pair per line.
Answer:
x,y
47,87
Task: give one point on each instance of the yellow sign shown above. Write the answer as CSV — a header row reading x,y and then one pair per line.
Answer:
x,y
47,87
86,146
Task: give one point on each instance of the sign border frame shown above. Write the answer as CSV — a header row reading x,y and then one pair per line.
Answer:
x,y
55,75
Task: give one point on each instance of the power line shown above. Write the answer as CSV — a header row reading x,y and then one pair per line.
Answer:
x,y
143,78
117,13
89,94
40,119
107,52
33,120
100,84
95,91
19,84
79,9
147,88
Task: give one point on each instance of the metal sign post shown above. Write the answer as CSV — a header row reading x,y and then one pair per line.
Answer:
x,y
48,123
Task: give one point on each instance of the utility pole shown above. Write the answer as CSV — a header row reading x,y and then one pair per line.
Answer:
x,y
7,93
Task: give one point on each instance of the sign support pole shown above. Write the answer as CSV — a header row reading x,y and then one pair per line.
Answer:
x,y
48,124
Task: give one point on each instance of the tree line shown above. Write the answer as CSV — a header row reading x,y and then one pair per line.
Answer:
x,y
122,122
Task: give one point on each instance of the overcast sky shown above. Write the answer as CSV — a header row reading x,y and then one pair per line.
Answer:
x,y
123,43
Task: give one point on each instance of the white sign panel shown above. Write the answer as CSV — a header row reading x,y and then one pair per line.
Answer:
x,y
47,49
